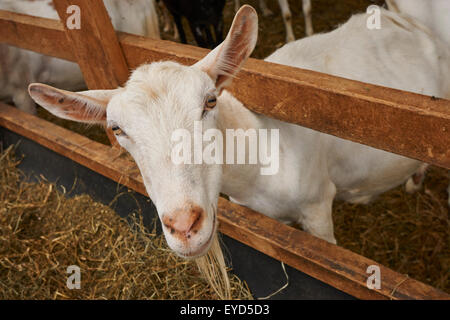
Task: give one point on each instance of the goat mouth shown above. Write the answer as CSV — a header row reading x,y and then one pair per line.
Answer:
x,y
203,249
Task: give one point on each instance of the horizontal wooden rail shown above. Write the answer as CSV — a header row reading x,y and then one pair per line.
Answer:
x,y
329,263
42,35
405,123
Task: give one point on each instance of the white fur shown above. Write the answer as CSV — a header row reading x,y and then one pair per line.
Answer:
x,y
314,167
18,68
435,14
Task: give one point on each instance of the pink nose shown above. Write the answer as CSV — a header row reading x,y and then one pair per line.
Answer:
x,y
185,221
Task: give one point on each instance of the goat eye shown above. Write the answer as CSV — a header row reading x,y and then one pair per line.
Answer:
x,y
117,131
210,102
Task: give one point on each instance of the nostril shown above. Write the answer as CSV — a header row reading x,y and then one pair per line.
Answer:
x,y
182,222
197,214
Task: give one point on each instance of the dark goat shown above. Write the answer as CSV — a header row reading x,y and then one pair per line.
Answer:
x,y
201,15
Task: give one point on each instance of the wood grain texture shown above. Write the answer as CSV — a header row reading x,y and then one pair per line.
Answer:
x,y
37,34
96,48
401,122
329,263
95,44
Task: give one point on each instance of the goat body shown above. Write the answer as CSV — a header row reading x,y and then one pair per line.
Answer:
x,y
435,14
399,55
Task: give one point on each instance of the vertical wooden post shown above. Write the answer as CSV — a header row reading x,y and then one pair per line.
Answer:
x,y
95,45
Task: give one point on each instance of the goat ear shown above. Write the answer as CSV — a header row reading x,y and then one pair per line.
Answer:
x,y
225,61
87,106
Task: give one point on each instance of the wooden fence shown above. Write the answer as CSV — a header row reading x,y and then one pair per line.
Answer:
x,y
405,123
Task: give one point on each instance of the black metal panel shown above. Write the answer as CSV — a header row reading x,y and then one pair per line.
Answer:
x,y
262,273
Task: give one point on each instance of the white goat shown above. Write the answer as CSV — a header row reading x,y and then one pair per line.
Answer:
x,y
314,167
18,68
287,16
435,15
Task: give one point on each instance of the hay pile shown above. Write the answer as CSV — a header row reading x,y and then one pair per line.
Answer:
x,y
410,233
42,232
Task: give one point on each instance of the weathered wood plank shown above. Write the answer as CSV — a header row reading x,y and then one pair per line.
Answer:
x,y
45,36
329,263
